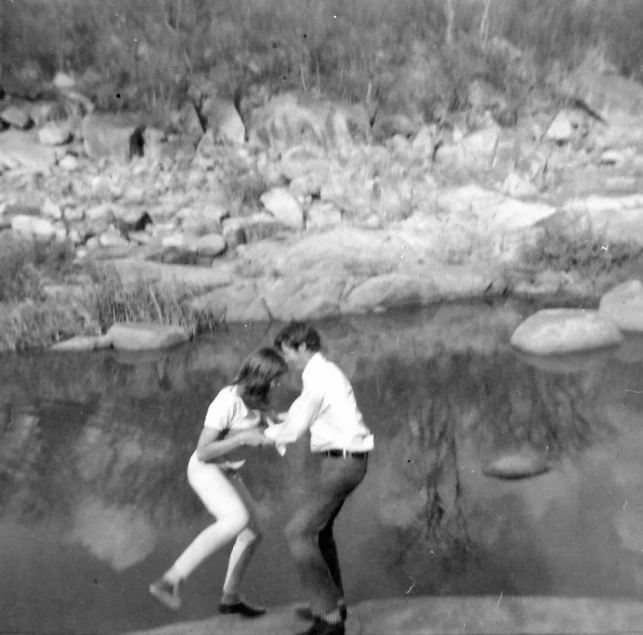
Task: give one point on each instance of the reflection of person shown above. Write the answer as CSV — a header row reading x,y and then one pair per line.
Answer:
x,y
233,420
341,442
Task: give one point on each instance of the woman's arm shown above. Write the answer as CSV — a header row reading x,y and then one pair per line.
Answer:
x,y
211,446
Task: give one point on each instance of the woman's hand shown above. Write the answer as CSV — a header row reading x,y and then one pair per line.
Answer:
x,y
254,438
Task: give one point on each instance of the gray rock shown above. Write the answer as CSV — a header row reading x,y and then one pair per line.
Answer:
x,y
304,297
518,186
187,119
54,135
387,291
39,229
524,463
82,343
557,331
139,336
289,119
241,302
22,149
284,207
16,117
563,127
119,137
69,163
63,81
322,215
224,120
209,245
624,305
475,150
205,220
247,229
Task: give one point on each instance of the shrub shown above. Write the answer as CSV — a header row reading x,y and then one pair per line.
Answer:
x,y
24,263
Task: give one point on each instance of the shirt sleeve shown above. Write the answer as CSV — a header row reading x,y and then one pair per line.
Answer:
x,y
303,411
221,411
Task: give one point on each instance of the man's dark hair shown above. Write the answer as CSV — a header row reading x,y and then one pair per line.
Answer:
x,y
297,333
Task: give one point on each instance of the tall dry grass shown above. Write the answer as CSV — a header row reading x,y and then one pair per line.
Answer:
x,y
46,296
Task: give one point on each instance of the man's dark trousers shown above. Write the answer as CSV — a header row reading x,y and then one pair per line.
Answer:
x,y
310,532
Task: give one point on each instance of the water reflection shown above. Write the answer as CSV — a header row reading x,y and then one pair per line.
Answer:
x,y
94,499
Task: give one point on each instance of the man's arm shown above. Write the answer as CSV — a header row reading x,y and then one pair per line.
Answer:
x,y
302,413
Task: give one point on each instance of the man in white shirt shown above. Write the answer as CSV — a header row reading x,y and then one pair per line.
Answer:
x,y
341,441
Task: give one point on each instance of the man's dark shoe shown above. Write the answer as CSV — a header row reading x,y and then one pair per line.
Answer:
x,y
305,613
322,627
167,593
241,608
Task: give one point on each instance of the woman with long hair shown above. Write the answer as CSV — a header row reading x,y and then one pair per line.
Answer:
x,y
233,420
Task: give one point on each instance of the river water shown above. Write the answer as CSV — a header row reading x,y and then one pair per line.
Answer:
x,y
94,502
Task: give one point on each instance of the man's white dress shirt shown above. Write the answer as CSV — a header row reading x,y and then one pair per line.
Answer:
x,y
327,406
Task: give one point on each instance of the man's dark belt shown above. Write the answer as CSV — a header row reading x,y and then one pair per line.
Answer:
x,y
345,454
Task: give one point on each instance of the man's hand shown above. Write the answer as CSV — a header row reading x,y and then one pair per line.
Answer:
x,y
274,418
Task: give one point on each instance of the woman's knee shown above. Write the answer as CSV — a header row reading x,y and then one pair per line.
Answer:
x,y
238,518
251,535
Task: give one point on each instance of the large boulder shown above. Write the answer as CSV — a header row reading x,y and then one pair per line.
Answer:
x,y
284,207
224,120
624,305
554,331
139,336
120,137
289,119
22,150
188,121
387,291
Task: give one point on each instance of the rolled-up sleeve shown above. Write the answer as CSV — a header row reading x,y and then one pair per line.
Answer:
x,y
301,414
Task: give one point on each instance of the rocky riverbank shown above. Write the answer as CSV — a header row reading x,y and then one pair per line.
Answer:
x,y
290,205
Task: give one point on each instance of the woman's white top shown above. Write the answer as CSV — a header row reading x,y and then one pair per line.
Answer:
x,y
228,412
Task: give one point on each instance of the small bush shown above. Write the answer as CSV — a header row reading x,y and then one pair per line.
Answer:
x,y
24,263
588,255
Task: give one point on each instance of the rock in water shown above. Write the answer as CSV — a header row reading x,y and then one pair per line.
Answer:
x,y
553,331
514,465
624,305
139,336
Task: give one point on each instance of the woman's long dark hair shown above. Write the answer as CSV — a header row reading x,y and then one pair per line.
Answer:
x,y
257,372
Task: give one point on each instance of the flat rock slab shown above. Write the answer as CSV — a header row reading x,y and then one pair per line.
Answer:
x,y
624,305
82,344
427,615
553,331
139,336
20,149
523,463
